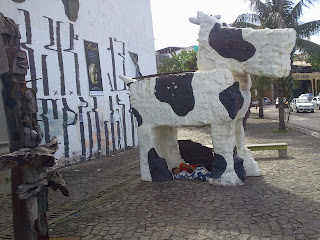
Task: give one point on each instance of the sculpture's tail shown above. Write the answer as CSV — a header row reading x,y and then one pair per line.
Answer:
x,y
127,80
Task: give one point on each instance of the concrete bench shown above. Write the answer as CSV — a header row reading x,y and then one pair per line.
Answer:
x,y
281,147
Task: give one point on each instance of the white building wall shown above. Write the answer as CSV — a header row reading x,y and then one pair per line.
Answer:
x,y
86,126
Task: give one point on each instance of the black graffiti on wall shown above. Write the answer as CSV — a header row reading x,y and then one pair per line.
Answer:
x,y
60,58
116,127
74,37
71,8
96,116
106,137
30,51
70,118
45,79
112,123
54,42
124,125
81,124
65,111
123,56
135,59
113,83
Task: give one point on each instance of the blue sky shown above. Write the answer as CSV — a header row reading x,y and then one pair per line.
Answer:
x,y
172,28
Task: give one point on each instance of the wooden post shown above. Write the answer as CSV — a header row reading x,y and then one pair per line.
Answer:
x,y
27,160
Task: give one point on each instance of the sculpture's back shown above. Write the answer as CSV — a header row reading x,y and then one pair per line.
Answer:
x,y
263,52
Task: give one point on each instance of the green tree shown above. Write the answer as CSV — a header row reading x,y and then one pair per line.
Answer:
x,y
283,14
315,62
186,60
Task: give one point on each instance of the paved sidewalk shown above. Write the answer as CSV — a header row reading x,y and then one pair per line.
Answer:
x,y
108,200
308,125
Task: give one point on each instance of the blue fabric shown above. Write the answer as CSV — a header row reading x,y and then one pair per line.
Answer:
x,y
200,173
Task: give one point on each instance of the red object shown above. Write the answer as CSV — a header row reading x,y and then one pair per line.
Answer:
x,y
186,169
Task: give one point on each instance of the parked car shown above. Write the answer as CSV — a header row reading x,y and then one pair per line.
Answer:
x,y
316,101
302,105
267,101
255,104
284,101
309,96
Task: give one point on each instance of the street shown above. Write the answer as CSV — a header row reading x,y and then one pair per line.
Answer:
x,y
304,120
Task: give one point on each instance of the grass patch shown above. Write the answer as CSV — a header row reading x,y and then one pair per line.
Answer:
x,y
279,131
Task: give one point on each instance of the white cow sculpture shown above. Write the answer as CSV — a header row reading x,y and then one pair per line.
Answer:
x,y
218,95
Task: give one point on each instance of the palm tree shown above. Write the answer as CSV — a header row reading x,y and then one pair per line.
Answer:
x,y
283,14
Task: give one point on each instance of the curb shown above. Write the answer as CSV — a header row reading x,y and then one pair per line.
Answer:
x,y
304,130
298,128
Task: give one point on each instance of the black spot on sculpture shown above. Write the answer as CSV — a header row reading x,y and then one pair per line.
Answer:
x,y
158,167
228,42
232,99
238,165
238,168
176,90
195,153
219,166
137,115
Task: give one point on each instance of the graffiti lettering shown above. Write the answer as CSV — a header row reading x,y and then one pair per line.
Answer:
x,y
86,126
76,58
30,51
65,125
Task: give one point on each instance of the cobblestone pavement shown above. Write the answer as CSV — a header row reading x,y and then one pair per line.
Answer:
x,y
108,201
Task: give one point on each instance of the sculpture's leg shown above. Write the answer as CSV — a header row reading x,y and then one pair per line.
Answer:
x,y
153,165
145,136
223,140
169,146
250,165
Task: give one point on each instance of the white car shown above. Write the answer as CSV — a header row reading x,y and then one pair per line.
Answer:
x,y
267,101
307,95
316,101
302,105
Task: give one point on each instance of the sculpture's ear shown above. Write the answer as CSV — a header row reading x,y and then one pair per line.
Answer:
x,y
194,20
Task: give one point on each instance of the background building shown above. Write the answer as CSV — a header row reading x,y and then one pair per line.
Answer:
x,y
76,51
305,79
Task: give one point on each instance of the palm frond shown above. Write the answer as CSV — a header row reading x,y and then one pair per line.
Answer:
x,y
308,29
244,25
247,20
275,20
296,11
306,46
283,7
259,7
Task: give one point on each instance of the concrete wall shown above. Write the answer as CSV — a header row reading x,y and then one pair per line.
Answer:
x,y
118,35
86,125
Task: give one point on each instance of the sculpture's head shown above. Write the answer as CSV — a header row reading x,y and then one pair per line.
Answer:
x,y
264,52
